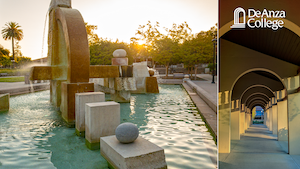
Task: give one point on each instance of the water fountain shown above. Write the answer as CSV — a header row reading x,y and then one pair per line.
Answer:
x,y
32,134
69,64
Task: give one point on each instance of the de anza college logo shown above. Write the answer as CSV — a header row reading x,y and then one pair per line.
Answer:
x,y
258,19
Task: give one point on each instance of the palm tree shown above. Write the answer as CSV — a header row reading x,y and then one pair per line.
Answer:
x,y
12,31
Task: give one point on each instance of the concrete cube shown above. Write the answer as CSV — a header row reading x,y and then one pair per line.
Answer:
x,y
119,61
80,100
139,154
101,119
4,102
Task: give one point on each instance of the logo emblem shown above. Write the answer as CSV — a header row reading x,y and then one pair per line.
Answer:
x,y
236,16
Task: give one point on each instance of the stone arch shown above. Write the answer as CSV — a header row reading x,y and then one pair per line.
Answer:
x,y
256,69
76,43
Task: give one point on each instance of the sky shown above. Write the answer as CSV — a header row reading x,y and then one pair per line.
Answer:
x,y
116,19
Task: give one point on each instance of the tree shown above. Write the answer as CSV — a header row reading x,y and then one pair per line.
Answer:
x,y
149,34
138,51
3,51
180,33
12,31
164,50
23,61
101,52
92,36
4,57
199,49
18,52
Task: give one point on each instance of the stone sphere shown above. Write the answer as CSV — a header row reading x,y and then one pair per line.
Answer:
x,y
151,72
119,53
127,132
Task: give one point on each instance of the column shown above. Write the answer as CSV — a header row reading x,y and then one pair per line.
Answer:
x,y
282,120
294,123
224,130
235,123
275,118
271,118
242,122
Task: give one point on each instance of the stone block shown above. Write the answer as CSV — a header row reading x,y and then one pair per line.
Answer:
x,y
104,71
139,154
4,102
140,85
125,83
119,61
68,91
151,85
140,70
101,119
80,100
60,3
127,71
40,73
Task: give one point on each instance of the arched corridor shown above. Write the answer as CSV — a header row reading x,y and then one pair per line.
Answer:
x,y
259,67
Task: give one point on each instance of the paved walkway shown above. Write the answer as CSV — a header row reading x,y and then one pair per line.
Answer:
x,y
15,88
258,148
211,88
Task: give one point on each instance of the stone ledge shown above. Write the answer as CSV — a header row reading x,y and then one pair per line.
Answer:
x,y
210,117
26,89
210,101
139,154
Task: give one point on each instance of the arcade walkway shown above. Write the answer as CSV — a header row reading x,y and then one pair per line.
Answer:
x,y
258,148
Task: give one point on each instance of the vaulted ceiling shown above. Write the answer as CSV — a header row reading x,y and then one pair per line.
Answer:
x,y
282,44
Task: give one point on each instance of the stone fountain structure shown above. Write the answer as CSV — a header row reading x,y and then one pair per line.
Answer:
x,y
69,66
70,71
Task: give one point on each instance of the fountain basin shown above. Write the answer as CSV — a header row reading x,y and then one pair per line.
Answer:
x,y
33,134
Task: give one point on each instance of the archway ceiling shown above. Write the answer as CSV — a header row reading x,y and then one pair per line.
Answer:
x,y
257,97
257,103
260,100
282,44
256,78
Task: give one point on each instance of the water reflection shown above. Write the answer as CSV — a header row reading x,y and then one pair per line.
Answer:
x,y
33,135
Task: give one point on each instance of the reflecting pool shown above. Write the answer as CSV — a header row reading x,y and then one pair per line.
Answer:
x,y
33,134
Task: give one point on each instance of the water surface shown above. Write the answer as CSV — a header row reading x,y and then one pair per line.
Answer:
x,y
33,135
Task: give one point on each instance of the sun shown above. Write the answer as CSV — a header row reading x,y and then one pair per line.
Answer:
x,y
141,42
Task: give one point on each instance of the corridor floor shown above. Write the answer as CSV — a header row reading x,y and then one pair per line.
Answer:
x,y
258,148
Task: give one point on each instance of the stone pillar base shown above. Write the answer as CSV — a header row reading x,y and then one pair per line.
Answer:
x,y
80,133
92,146
68,91
4,102
80,100
101,119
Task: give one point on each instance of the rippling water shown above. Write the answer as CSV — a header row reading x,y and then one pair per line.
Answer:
x,y
33,135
